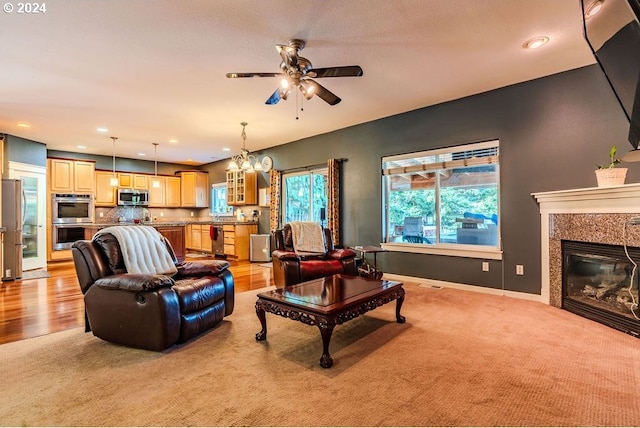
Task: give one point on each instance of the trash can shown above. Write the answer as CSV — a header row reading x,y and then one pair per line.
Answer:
x,y
260,248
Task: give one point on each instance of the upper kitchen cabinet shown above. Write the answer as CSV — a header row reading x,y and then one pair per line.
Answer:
x,y
242,188
194,189
128,180
172,192
157,194
167,195
71,176
105,192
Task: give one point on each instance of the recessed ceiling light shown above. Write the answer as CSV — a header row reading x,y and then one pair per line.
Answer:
x,y
173,141
102,130
24,125
593,8
226,149
142,154
80,146
535,43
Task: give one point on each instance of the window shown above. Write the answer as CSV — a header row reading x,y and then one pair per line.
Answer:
x,y
446,198
219,200
304,196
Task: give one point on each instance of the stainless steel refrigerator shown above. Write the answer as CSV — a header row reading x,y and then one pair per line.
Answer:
x,y
12,211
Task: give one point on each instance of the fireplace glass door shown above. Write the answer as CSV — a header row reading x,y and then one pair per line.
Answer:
x,y
600,282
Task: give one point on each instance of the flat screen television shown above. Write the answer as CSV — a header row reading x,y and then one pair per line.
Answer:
x,y
613,33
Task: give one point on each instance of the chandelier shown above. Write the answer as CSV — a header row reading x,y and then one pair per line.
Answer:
x,y
244,161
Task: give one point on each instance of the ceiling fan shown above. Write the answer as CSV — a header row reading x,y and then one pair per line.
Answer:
x,y
298,72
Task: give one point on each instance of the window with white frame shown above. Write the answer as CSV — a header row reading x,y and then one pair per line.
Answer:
x,y
219,205
445,198
304,196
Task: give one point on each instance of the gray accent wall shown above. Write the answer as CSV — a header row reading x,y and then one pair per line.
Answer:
x,y
552,132
17,149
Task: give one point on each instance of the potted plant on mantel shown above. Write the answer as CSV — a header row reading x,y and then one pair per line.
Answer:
x,y
608,174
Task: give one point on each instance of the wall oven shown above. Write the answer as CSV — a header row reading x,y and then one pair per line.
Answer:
x,y
64,235
72,208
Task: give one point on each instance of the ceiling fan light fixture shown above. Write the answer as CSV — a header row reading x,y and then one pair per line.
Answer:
x,y
307,89
297,70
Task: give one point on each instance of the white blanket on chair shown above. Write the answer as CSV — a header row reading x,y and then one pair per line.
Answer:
x,y
308,237
143,249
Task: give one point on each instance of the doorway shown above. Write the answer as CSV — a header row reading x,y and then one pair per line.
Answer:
x,y
34,232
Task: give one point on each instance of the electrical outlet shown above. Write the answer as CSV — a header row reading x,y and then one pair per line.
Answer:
x,y
161,214
519,269
101,214
485,266
7,273
191,213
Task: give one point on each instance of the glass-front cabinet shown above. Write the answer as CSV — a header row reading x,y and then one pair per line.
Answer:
x,y
242,188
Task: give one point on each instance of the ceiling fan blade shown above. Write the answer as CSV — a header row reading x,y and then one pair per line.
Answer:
x,y
319,90
238,75
274,98
346,71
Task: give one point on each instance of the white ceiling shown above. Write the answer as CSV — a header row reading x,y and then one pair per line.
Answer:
x,y
154,70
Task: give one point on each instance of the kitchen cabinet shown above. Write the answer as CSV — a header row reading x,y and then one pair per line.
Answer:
x,y
175,235
71,176
237,240
157,194
198,237
167,195
129,180
242,188
105,192
194,189
172,192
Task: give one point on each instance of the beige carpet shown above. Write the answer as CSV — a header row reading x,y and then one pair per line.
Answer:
x,y
462,358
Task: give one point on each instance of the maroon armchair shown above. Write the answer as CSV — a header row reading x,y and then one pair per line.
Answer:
x,y
290,268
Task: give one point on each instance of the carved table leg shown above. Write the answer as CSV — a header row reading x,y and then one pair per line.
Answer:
x,y
326,330
262,335
399,318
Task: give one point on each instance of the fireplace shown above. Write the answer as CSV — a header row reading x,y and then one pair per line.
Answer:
x,y
600,282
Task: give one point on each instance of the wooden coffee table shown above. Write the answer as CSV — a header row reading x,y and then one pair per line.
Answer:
x,y
327,302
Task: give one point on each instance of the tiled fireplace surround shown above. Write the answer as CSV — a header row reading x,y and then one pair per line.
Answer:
x,y
595,214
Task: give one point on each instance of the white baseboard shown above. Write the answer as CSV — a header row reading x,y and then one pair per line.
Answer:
x,y
434,283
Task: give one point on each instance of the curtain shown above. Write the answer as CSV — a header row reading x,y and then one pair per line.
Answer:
x,y
275,178
333,199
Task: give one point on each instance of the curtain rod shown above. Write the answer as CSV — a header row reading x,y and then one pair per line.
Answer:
x,y
309,167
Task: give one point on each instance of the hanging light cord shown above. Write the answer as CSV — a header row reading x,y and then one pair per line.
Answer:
x,y
155,157
114,154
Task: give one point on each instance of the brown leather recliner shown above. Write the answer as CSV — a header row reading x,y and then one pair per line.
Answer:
x,y
290,268
149,311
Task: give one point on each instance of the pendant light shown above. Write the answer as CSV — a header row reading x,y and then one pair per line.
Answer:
x,y
114,180
155,183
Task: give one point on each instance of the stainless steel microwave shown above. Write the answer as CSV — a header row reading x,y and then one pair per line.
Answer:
x,y
131,197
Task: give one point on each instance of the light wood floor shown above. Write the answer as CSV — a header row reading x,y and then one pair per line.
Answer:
x,y
34,307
